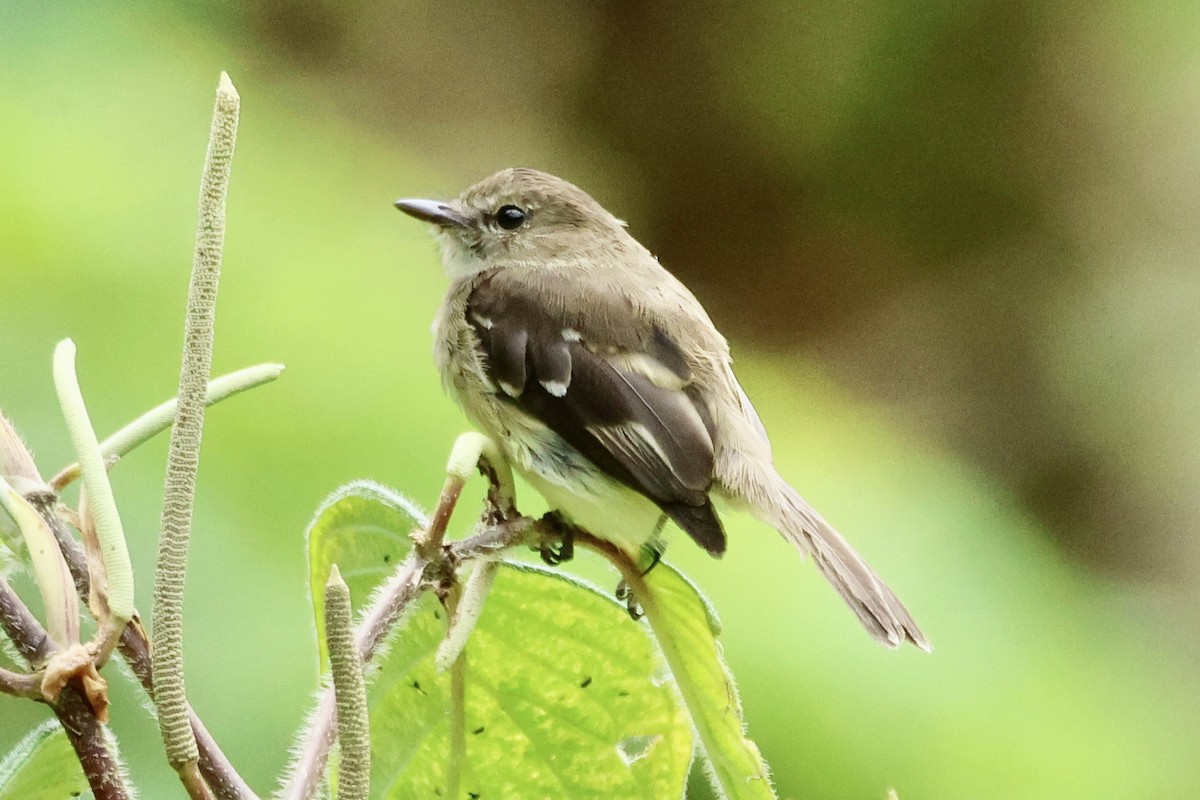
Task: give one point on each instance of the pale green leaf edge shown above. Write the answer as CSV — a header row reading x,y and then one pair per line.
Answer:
x,y
730,759
364,489
45,748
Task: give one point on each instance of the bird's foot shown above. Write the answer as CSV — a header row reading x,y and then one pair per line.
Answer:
x,y
625,595
558,540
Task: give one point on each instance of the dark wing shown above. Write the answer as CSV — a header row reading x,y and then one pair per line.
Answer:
x,y
627,409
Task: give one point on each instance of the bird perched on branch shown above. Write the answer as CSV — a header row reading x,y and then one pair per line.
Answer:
x,y
606,384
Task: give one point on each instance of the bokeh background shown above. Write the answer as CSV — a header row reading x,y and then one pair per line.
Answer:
x,y
954,245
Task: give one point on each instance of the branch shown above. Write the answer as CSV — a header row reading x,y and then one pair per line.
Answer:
x,y
23,629
215,767
92,745
306,771
86,734
471,452
20,684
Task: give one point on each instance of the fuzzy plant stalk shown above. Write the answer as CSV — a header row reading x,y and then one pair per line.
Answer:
x,y
170,697
350,692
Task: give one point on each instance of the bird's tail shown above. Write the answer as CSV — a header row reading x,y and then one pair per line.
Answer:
x,y
879,610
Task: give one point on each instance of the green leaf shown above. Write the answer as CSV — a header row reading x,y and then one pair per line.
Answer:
x,y
565,696
42,766
686,628
363,528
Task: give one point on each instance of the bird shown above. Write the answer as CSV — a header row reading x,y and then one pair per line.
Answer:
x,y
606,385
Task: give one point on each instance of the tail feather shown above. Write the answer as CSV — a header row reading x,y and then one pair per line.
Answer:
x,y
879,610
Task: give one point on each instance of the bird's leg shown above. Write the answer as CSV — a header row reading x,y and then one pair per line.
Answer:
x,y
558,539
655,546
653,551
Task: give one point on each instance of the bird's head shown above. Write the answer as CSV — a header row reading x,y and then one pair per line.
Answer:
x,y
518,217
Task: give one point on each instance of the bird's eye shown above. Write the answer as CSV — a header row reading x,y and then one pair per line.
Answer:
x,y
510,217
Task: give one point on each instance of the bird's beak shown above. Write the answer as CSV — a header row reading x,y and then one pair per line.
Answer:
x,y
433,211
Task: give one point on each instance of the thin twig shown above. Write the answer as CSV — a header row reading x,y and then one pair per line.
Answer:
x,y
103,771
430,542
78,719
20,684
404,587
134,647
471,452
309,766
23,629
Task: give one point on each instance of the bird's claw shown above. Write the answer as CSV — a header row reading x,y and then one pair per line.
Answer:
x,y
625,595
558,542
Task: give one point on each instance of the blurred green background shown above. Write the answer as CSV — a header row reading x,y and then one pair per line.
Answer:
x,y
954,246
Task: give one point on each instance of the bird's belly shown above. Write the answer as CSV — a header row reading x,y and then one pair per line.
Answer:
x,y
568,481
615,512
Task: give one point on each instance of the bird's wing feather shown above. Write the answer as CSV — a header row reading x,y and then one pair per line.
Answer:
x,y
626,406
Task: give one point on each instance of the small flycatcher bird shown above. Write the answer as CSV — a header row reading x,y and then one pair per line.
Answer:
x,y
606,384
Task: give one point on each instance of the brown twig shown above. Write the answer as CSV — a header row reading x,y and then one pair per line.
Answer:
x,y
101,768
19,684
215,767
309,765
86,734
431,539
23,629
